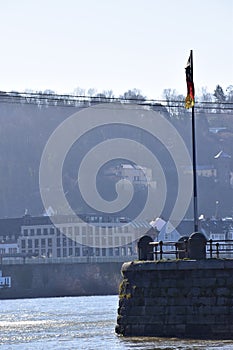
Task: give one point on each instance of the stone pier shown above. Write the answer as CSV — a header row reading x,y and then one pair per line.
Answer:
x,y
177,298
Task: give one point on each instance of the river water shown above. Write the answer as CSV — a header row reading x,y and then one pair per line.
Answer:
x,y
77,323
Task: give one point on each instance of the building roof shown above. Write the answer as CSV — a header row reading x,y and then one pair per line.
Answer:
x,y
10,226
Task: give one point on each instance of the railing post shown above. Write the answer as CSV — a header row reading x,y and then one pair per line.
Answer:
x,y
211,248
161,249
156,252
217,250
186,248
177,247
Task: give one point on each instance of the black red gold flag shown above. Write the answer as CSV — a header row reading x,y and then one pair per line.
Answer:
x,y
189,101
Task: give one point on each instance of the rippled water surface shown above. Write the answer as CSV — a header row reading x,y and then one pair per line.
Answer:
x,y
77,323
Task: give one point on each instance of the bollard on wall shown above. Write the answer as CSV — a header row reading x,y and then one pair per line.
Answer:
x,y
197,246
144,248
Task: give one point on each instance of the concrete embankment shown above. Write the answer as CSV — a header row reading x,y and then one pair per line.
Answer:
x,y
179,298
74,279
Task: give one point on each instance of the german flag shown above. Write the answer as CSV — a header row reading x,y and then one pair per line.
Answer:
x,y
189,101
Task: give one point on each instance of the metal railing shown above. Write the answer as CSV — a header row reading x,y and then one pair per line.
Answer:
x,y
216,248
179,249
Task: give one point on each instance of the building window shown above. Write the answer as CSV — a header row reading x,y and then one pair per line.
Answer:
x,y
43,243
25,232
104,239
117,251
49,253
122,240
103,251
77,251
70,230
85,251
12,250
45,231
43,253
129,251
91,251
110,251
70,242
23,244
58,253
64,241
90,230
97,251
29,244
58,242
50,242
123,251
84,240
38,231
52,231
76,230
70,251
64,252
36,243
32,232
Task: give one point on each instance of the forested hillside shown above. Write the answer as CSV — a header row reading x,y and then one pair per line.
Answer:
x,y
27,121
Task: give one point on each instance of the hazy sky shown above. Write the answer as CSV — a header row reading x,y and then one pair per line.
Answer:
x,y
115,44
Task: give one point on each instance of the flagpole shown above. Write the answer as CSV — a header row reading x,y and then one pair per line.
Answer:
x,y
195,207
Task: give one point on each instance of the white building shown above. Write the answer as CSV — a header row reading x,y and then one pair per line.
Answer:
x,y
73,237
135,174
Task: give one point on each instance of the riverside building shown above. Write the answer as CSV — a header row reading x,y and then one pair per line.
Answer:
x,y
87,236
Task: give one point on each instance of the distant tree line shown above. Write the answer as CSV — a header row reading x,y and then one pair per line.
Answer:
x,y
218,100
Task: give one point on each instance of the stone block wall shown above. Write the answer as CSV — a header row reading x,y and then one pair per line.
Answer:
x,y
183,298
